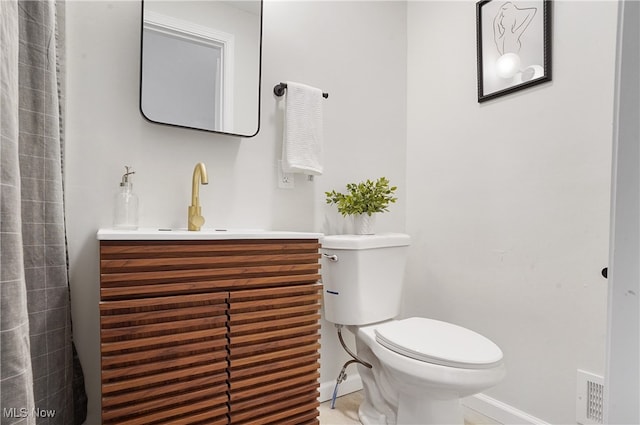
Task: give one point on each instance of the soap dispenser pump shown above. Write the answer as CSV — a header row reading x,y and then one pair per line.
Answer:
x,y
126,208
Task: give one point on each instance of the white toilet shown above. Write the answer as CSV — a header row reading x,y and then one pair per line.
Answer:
x,y
421,367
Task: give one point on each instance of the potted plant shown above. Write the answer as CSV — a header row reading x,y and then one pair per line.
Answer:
x,y
362,200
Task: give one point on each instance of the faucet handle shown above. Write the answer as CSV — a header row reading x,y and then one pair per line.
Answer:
x,y
197,221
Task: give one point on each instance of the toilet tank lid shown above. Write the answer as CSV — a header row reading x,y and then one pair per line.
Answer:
x,y
382,240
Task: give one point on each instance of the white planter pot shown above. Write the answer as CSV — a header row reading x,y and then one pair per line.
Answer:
x,y
364,224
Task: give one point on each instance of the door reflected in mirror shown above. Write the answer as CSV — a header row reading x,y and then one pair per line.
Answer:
x,y
200,64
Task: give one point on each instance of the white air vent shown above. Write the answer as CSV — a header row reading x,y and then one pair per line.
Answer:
x,y
590,398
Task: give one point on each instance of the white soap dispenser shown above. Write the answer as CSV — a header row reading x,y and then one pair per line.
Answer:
x,y
126,208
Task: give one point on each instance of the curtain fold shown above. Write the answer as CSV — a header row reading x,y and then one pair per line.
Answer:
x,y
16,379
38,385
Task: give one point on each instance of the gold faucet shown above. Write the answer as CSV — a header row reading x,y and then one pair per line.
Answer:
x,y
196,220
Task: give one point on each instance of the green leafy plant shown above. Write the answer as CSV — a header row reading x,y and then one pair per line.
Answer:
x,y
366,197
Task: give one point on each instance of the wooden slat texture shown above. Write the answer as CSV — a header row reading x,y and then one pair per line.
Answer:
x,y
196,262
273,352
196,286
137,269
205,274
210,332
206,248
165,359
277,410
178,386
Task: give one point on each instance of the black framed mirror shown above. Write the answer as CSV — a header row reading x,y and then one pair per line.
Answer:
x,y
200,64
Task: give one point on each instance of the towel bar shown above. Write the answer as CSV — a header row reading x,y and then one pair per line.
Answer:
x,y
278,90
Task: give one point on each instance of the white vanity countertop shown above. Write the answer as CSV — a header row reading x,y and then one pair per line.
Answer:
x,y
157,234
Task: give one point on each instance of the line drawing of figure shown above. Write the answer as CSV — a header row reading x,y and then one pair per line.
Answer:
x,y
508,26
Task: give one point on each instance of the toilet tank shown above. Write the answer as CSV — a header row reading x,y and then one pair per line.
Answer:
x,y
363,277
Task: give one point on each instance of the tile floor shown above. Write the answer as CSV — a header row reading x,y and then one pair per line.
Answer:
x,y
346,412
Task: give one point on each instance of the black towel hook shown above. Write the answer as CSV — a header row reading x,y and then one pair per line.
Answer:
x,y
279,89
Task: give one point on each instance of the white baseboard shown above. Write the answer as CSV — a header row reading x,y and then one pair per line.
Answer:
x,y
499,411
352,384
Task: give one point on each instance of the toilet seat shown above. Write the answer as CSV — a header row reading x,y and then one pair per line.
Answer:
x,y
441,343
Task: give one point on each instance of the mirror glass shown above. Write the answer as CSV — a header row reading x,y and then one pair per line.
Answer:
x,y
200,64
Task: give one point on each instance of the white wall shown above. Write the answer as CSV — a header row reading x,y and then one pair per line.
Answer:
x,y
356,51
508,201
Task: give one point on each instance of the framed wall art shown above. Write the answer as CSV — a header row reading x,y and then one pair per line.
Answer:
x,y
514,45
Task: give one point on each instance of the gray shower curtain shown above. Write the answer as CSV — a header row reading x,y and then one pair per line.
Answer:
x,y
36,363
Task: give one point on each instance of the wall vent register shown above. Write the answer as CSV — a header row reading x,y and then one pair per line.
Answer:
x,y
590,398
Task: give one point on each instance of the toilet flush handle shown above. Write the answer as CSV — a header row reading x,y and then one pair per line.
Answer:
x,y
333,258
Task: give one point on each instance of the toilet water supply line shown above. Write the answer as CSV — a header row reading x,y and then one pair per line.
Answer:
x,y
343,374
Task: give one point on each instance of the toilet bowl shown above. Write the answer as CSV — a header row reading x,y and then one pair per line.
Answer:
x,y
421,367
428,366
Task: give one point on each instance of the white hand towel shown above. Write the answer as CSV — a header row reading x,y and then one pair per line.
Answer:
x,y
303,133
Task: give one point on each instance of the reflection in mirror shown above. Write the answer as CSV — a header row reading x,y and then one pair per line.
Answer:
x,y
200,64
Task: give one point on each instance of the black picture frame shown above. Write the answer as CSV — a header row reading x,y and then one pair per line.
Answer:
x,y
506,28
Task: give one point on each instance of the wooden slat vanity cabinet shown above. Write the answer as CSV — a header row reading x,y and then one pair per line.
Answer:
x,y
210,331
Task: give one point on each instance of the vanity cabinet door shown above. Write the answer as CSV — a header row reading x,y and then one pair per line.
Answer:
x,y
210,331
274,355
164,359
